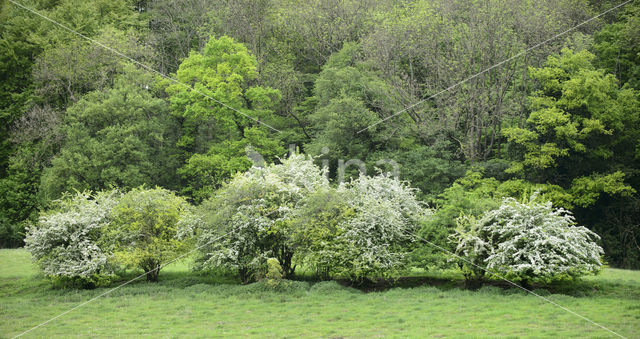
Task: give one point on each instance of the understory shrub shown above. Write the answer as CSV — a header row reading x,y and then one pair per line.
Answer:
x,y
527,242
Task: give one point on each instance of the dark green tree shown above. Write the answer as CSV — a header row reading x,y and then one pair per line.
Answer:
x,y
121,137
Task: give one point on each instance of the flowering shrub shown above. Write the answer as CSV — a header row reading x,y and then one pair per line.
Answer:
x,y
386,213
68,242
360,230
525,242
249,214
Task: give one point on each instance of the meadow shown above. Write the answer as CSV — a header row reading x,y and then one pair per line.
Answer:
x,y
185,304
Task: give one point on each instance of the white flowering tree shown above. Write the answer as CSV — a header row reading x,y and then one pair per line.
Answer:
x,y
374,241
358,230
68,241
528,241
249,215
361,230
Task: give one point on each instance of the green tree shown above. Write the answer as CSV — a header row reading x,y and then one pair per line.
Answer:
x,y
224,71
121,137
42,69
617,46
579,115
582,135
349,96
143,229
423,47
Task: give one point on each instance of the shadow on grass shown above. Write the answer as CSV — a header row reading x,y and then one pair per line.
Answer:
x,y
223,285
612,287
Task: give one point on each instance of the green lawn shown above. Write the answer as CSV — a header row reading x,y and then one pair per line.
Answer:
x,y
186,305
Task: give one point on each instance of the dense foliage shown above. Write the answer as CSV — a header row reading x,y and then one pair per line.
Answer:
x,y
143,229
85,239
525,242
254,77
289,212
119,137
243,224
373,240
69,242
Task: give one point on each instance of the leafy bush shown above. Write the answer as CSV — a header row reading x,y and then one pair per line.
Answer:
x,y
11,234
69,241
374,242
473,195
360,230
249,215
470,195
120,136
315,227
524,242
144,229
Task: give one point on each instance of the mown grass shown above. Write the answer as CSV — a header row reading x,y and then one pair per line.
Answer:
x,y
188,305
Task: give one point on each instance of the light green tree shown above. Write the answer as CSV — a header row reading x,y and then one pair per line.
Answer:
x,y
213,135
143,229
578,116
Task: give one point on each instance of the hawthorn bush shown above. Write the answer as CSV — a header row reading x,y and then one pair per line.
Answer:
x,y
290,212
374,240
244,223
69,242
527,242
88,238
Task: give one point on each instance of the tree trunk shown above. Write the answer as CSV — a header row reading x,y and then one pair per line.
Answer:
x,y
152,269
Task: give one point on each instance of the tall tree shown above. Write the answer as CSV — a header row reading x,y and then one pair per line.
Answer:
x,y
213,135
39,61
582,134
424,47
617,46
121,137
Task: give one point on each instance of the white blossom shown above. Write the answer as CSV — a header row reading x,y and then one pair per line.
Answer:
x,y
66,241
530,241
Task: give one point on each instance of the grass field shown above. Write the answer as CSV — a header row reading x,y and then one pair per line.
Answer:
x,y
187,305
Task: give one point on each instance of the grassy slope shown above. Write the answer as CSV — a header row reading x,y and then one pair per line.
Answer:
x,y
182,305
